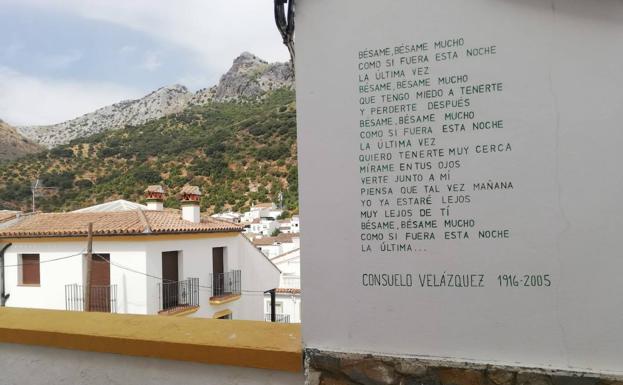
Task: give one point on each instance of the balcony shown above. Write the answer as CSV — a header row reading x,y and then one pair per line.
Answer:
x,y
279,318
103,298
178,297
226,287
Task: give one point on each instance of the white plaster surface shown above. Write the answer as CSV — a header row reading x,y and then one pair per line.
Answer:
x,y
560,62
135,269
33,365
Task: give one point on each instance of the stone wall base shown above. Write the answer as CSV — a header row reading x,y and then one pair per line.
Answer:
x,y
332,368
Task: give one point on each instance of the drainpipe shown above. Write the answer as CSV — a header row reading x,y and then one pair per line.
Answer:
x,y
3,295
273,315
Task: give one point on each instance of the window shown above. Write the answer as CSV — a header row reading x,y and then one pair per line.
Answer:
x,y
29,269
278,307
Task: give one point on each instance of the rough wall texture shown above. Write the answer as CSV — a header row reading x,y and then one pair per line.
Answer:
x,y
329,368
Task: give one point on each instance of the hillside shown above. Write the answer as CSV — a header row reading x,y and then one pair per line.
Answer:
x,y
249,78
13,145
239,153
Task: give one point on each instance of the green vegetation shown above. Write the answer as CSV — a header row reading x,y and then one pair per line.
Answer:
x,y
238,153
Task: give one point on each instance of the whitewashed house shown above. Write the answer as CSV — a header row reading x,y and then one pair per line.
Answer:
x,y
295,224
261,210
151,261
230,216
262,226
288,294
278,245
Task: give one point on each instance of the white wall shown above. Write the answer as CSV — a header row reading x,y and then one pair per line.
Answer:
x,y
196,262
290,305
137,293
131,287
34,365
559,63
53,275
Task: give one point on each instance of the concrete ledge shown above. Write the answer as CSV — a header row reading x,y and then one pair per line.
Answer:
x,y
224,299
239,343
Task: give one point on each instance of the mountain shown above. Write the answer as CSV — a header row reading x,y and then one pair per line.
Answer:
x,y
164,101
13,145
238,153
249,78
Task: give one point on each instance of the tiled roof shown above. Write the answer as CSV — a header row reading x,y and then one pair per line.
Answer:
x,y
288,291
263,205
155,189
6,215
112,223
118,205
191,190
280,238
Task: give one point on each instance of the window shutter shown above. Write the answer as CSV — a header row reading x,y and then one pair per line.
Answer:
x,y
30,269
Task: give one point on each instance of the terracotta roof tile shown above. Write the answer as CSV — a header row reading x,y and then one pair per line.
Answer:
x,y
112,223
263,205
280,238
155,189
6,215
287,291
191,190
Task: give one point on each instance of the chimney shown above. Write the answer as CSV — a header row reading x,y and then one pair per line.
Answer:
x,y
190,204
155,198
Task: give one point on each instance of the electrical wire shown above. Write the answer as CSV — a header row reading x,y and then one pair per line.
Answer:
x,y
48,260
160,278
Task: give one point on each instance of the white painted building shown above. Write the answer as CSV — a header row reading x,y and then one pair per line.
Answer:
x,y
295,224
261,210
290,226
288,295
230,216
275,246
144,262
262,226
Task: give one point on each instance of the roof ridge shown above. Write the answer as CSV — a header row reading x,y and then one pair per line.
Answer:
x,y
144,221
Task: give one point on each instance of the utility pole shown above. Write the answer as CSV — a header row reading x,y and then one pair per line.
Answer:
x,y
34,188
87,289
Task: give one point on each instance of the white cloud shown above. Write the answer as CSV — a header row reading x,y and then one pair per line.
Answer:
x,y
215,31
26,100
151,61
127,49
60,60
12,50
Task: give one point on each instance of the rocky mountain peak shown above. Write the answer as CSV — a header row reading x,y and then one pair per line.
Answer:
x,y
248,78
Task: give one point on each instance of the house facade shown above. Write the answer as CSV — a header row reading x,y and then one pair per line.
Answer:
x,y
143,262
278,245
288,294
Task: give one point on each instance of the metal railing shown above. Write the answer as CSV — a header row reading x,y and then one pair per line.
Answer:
x,y
103,298
224,284
178,295
280,318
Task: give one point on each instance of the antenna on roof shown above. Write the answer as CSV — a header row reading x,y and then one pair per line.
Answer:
x,y
37,188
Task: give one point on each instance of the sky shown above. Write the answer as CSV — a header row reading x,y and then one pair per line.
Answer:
x,y
60,59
